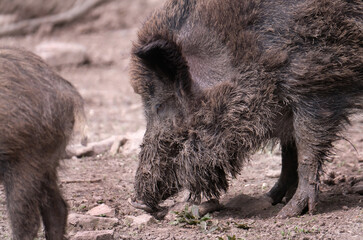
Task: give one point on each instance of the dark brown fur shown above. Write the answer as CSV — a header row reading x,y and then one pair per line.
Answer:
x,y
219,79
37,113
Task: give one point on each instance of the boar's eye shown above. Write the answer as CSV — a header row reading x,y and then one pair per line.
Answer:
x,y
158,108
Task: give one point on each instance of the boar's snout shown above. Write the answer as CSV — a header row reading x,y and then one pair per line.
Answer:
x,y
156,177
156,211
159,212
150,192
139,204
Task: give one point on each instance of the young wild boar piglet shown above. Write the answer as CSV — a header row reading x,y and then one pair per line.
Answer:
x,y
38,109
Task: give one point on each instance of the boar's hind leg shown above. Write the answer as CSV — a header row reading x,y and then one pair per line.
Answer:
x,y
22,195
286,185
53,209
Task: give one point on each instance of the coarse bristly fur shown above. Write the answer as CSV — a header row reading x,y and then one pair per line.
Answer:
x,y
38,110
218,79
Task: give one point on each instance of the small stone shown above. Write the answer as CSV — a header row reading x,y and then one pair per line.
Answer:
x,y
60,53
6,19
144,219
87,222
345,208
102,211
358,188
94,235
98,199
273,174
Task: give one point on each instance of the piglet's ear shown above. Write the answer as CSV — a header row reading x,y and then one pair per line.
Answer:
x,y
165,58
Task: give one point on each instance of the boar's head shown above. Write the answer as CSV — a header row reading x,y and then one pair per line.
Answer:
x,y
193,136
161,77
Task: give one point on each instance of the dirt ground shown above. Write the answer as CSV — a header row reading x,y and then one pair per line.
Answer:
x,y
113,109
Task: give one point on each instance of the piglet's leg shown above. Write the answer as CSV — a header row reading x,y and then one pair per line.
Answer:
x,y
53,209
22,193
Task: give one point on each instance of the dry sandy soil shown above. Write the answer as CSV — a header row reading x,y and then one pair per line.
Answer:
x,y
113,109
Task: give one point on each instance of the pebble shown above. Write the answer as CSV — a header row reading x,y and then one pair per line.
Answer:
x,y
61,53
273,174
87,222
358,188
144,219
6,19
94,235
102,210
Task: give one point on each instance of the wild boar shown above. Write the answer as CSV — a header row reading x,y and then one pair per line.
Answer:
x,y
38,110
219,79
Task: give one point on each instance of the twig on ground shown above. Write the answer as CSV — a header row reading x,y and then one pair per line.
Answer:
x,y
26,26
111,144
82,181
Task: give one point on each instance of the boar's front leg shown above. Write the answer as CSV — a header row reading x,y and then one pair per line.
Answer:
x,y
313,141
286,185
306,194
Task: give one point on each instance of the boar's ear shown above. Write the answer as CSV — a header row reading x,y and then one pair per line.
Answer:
x,y
165,58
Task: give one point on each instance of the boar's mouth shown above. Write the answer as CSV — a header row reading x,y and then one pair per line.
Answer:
x,y
156,211
151,205
141,205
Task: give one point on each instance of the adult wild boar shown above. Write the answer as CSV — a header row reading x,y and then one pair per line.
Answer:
x,y
218,79
38,109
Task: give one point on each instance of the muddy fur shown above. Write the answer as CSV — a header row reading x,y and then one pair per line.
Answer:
x,y
220,79
38,110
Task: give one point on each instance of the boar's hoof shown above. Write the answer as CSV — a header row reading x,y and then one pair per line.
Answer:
x,y
159,215
209,206
300,203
